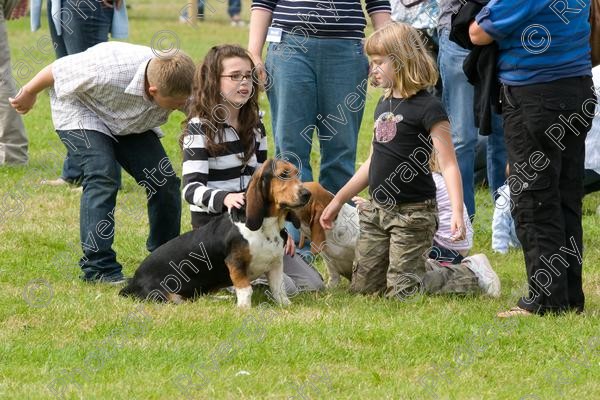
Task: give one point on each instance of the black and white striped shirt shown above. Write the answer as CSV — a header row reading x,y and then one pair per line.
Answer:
x,y
336,19
206,179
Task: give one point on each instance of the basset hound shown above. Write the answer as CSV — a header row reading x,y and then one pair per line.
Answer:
x,y
337,245
232,249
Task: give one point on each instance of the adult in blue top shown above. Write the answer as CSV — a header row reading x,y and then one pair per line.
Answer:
x,y
549,102
317,82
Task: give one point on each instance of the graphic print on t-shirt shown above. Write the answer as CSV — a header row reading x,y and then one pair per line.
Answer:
x,y
385,127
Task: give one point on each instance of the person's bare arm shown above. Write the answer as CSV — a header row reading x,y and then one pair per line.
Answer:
x,y
259,24
379,19
478,36
25,99
446,157
355,185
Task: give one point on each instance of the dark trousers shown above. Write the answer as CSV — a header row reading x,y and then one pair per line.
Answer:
x,y
545,126
144,158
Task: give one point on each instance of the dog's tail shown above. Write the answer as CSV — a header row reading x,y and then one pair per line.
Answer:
x,y
131,290
134,289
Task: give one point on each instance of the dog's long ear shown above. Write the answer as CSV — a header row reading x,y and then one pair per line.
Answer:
x,y
317,233
257,196
293,218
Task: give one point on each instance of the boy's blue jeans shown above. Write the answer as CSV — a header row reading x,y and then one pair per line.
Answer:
x,y
143,157
457,97
320,84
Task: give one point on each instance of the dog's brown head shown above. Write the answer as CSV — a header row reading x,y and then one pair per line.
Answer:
x,y
310,214
274,190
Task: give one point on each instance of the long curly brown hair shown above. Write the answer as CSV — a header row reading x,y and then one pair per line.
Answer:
x,y
207,102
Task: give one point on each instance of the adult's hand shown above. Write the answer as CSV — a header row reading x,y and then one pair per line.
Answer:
x,y
259,68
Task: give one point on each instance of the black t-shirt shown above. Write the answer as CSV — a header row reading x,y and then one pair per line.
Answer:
x,y
399,171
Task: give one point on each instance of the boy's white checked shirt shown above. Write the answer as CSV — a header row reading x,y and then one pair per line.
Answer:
x,y
102,89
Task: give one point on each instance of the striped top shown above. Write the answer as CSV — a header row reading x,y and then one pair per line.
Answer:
x,y
336,19
206,179
443,235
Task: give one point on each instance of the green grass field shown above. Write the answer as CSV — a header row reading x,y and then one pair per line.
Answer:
x,y
61,338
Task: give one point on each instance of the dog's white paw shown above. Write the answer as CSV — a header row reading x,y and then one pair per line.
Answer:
x,y
244,297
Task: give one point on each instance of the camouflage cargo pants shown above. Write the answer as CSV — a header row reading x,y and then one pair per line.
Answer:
x,y
392,249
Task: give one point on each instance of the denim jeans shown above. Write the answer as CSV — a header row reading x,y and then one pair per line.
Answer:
x,y
317,84
78,34
548,193
143,157
458,101
234,8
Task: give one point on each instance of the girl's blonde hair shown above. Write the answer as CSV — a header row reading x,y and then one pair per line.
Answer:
x,y
414,67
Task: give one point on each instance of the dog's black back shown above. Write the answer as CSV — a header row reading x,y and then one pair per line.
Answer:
x,y
189,265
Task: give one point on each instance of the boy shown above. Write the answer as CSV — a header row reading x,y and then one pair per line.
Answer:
x,y
107,104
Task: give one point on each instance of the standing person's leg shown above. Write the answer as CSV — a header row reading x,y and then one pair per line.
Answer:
x,y
571,189
458,101
544,214
293,106
341,81
96,157
13,140
496,156
144,158
233,9
89,26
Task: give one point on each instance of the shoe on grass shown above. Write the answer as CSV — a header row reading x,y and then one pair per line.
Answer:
x,y
515,312
113,280
488,280
55,182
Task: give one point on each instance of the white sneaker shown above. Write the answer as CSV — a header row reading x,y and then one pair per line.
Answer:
x,y
481,267
54,182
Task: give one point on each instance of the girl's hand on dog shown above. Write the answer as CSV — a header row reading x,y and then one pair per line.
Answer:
x,y
234,200
330,213
290,246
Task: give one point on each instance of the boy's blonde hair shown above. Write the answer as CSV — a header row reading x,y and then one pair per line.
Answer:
x,y
415,68
172,74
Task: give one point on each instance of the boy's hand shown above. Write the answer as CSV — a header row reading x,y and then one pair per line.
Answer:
x,y
234,200
23,102
330,213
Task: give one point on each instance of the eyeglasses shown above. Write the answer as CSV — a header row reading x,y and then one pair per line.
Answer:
x,y
238,77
